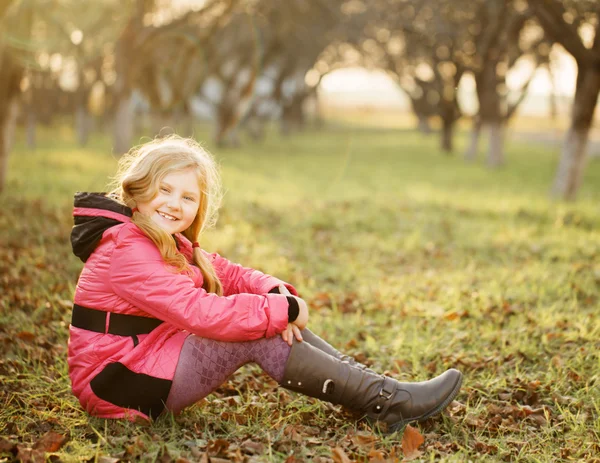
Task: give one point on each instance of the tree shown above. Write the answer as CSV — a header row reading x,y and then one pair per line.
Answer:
x,y
15,20
499,35
564,21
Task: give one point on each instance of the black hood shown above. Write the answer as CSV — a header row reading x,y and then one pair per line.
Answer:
x,y
93,214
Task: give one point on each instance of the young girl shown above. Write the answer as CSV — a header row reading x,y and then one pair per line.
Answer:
x,y
158,323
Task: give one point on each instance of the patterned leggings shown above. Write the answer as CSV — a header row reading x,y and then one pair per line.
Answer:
x,y
205,364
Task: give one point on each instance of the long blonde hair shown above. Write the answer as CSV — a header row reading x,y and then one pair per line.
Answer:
x,y
138,177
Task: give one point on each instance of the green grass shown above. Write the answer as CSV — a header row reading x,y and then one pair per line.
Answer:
x,y
410,260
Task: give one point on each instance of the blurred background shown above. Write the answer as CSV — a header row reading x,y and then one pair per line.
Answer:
x,y
490,69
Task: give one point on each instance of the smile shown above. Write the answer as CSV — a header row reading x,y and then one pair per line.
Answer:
x,y
167,216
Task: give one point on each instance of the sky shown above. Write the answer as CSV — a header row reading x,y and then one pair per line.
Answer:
x,y
359,86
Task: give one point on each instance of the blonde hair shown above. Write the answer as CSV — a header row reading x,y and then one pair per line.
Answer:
x,y
138,177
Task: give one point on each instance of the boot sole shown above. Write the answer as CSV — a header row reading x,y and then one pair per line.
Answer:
x,y
439,409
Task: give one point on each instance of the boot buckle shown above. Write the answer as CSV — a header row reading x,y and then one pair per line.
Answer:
x,y
387,395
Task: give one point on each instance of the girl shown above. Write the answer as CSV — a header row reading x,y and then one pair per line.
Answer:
x,y
158,323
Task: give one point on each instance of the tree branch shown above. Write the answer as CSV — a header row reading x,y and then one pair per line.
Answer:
x,y
550,15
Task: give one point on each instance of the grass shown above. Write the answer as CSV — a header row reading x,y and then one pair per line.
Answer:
x,y
410,260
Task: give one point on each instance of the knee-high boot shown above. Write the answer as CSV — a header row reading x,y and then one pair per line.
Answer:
x,y
323,345
315,373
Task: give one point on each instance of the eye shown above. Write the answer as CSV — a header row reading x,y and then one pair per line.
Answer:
x,y
164,189
189,198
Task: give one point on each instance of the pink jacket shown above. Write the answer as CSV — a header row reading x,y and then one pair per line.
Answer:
x,y
116,376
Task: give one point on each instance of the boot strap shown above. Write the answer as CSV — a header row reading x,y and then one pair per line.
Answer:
x,y
383,402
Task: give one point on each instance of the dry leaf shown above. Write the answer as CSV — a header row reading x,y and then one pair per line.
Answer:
x,y
50,442
217,447
105,459
7,446
376,456
253,448
26,336
339,456
362,440
411,440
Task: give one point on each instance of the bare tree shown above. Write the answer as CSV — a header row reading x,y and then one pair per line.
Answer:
x,y
563,21
15,21
500,34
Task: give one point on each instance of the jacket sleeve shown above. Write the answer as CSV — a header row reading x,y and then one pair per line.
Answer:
x,y
139,275
237,279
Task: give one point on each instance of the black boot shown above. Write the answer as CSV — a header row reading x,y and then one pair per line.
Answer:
x,y
315,341
381,399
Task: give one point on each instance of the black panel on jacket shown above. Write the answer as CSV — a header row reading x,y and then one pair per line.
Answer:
x,y
120,386
100,201
87,231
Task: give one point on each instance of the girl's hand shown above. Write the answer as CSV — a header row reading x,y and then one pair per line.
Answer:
x,y
302,318
293,328
291,332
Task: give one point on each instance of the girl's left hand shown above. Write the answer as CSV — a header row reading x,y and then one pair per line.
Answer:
x,y
291,332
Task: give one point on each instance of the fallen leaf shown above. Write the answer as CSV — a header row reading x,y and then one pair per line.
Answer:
x,y
27,455
253,448
106,459
26,336
339,456
362,440
7,446
411,440
50,442
217,447
376,456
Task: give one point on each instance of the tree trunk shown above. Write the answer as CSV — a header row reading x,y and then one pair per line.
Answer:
x,y
572,162
8,122
10,78
473,148
447,133
31,126
423,125
496,145
123,128
82,125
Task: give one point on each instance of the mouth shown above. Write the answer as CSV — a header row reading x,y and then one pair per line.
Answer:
x,y
167,216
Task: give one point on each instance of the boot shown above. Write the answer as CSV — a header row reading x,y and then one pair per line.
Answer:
x,y
378,398
315,341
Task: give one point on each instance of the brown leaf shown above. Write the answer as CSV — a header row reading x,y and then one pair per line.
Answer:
x,y
474,421
452,315
7,446
376,456
253,448
27,455
136,448
411,440
107,459
50,442
217,447
166,456
363,440
27,336
339,456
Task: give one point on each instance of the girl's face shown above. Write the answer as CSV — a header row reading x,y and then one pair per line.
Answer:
x,y
176,203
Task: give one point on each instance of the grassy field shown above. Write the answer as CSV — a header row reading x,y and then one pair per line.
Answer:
x,y
410,260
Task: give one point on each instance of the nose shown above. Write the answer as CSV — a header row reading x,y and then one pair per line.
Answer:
x,y
174,203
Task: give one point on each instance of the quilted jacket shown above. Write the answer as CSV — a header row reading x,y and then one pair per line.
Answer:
x,y
128,377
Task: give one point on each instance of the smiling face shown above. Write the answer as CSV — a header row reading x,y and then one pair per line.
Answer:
x,y
176,203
